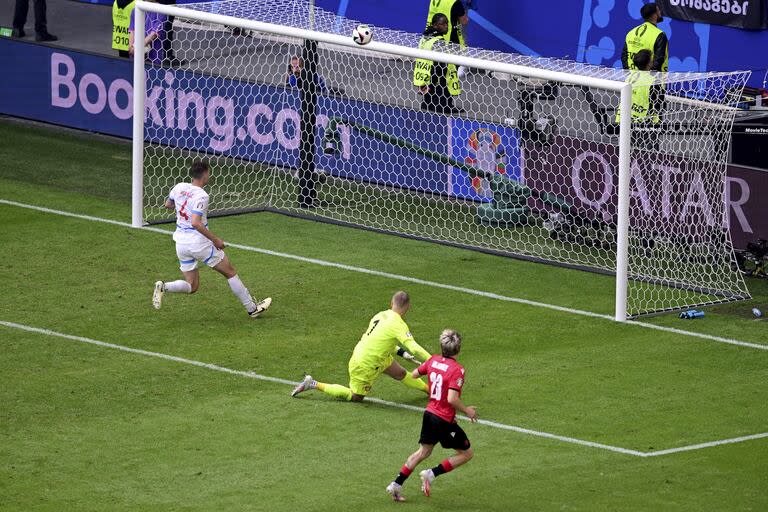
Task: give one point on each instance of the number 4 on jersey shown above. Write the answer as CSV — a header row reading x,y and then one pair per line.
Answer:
x,y
183,213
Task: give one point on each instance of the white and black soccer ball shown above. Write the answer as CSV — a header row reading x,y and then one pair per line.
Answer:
x,y
362,34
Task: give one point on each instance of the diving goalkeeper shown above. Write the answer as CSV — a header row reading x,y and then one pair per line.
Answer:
x,y
375,353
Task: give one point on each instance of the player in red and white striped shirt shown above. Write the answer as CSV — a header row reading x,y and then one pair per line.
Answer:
x,y
445,378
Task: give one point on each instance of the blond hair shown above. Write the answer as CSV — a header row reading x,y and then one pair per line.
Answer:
x,y
450,343
400,300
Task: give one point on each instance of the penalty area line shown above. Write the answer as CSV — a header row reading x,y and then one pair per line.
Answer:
x,y
387,403
277,380
710,444
408,279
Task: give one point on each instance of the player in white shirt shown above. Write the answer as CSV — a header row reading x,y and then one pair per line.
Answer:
x,y
195,243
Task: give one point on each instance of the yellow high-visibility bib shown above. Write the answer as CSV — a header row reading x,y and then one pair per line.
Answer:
x,y
643,37
121,21
641,97
422,70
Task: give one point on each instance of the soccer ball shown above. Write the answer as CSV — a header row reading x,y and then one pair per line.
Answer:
x,y
362,34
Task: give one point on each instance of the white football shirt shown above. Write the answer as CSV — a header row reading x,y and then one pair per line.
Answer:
x,y
189,199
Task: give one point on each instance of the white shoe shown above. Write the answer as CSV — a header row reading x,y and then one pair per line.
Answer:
x,y
427,477
303,385
395,490
157,296
261,307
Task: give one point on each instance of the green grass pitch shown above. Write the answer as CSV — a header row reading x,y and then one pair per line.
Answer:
x,y
85,427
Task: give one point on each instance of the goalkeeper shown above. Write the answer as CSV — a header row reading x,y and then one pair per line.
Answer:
x,y
375,353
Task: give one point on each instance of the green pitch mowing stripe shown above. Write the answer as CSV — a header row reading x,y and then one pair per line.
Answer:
x,y
493,424
87,428
253,375
461,289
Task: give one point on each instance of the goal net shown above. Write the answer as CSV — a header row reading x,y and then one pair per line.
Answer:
x,y
525,160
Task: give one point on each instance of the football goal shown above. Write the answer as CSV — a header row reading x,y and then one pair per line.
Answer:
x,y
558,162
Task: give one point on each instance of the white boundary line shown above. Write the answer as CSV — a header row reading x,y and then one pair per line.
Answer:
x,y
252,375
710,444
415,280
277,380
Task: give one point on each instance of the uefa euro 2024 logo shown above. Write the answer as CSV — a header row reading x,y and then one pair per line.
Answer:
x,y
486,153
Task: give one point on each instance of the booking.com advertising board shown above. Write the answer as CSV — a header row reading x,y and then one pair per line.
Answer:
x,y
241,119
262,123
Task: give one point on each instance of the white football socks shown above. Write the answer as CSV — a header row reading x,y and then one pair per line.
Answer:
x,y
242,293
179,286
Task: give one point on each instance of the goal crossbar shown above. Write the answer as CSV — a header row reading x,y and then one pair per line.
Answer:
x,y
380,47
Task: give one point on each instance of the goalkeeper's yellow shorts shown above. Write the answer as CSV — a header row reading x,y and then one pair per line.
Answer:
x,y
361,376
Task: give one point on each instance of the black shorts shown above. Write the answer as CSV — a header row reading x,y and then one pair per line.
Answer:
x,y
435,429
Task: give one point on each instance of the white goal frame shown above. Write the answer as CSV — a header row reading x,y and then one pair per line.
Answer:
x,y
623,88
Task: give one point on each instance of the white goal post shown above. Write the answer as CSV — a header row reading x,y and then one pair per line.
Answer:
x,y
525,210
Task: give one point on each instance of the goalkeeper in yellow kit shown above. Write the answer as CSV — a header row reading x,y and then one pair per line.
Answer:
x,y
375,353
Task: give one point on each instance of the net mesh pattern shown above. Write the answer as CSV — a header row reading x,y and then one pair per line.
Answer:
x,y
511,164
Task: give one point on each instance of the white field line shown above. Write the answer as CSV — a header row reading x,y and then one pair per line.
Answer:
x,y
252,375
415,280
277,380
710,444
